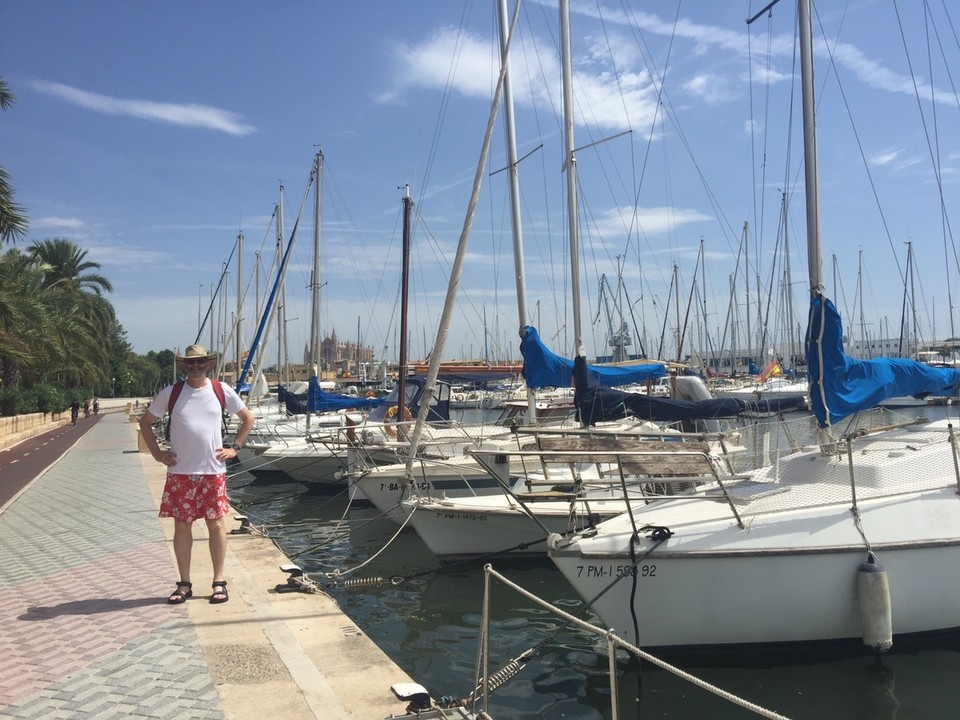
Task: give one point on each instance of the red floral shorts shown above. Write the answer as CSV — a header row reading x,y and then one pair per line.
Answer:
x,y
190,497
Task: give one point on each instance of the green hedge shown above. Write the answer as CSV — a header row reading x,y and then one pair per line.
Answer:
x,y
39,398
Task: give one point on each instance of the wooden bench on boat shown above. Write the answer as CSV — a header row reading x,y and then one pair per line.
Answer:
x,y
646,458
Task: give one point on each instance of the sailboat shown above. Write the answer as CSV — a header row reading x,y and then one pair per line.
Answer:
x,y
349,444
854,540
291,446
563,479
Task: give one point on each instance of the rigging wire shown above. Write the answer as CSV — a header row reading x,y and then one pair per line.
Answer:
x,y
832,65
934,152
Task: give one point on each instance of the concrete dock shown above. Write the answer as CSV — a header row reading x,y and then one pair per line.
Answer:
x,y
85,627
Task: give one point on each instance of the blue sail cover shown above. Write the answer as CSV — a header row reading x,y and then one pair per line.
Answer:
x,y
596,404
316,400
542,368
841,385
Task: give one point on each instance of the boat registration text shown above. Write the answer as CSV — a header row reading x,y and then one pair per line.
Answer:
x,y
616,571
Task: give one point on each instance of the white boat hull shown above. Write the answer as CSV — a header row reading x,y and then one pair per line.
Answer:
x,y
386,486
789,574
319,463
748,599
489,525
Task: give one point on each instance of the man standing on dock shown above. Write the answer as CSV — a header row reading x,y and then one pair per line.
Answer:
x,y
196,485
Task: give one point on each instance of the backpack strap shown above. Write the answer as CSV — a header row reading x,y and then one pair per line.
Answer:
x,y
175,395
218,391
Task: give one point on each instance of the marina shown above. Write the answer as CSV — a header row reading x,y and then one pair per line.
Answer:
x,y
425,615
749,520
422,617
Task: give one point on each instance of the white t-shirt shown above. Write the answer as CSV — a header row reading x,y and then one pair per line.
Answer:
x,y
195,426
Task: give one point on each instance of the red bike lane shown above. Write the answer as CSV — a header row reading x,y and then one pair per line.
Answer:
x,y
22,463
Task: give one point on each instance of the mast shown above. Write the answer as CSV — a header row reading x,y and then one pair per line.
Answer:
x,y
271,311
514,179
213,342
315,284
814,262
676,307
456,270
913,307
281,302
731,316
570,165
863,339
404,288
746,282
239,325
786,248
705,328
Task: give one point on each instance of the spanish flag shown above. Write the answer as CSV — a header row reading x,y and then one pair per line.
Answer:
x,y
773,369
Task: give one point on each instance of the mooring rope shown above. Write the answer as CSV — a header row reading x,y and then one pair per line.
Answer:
x,y
593,629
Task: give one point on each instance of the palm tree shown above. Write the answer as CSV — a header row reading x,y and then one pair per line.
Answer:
x,y
63,264
13,221
23,315
55,325
82,319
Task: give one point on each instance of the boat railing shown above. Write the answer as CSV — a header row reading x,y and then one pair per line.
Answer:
x,y
441,440
486,681
638,431
642,470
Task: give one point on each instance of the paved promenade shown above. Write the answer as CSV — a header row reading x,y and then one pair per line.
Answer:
x,y
86,632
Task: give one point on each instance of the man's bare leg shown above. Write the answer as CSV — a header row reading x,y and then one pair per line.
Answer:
x,y
183,550
218,551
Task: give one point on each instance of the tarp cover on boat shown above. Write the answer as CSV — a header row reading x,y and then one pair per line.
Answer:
x,y
542,368
841,385
595,404
316,400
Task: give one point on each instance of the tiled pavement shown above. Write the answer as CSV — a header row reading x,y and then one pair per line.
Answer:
x,y
84,570
85,629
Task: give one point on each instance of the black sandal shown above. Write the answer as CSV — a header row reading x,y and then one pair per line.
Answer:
x,y
219,596
179,596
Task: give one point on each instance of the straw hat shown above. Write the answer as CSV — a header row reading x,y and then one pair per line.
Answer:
x,y
194,352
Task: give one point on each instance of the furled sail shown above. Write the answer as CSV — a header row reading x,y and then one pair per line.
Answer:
x,y
316,400
841,385
543,368
596,404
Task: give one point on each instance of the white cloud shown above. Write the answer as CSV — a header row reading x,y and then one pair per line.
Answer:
x,y
885,157
58,223
611,99
710,88
651,221
764,74
445,58
869,71
190,115
127,256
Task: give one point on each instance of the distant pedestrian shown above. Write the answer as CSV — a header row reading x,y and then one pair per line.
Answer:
x,y
196,485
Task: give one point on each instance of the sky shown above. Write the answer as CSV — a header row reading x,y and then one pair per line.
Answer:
x,y
153,134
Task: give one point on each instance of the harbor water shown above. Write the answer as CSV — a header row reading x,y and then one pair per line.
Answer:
x,y
427,616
